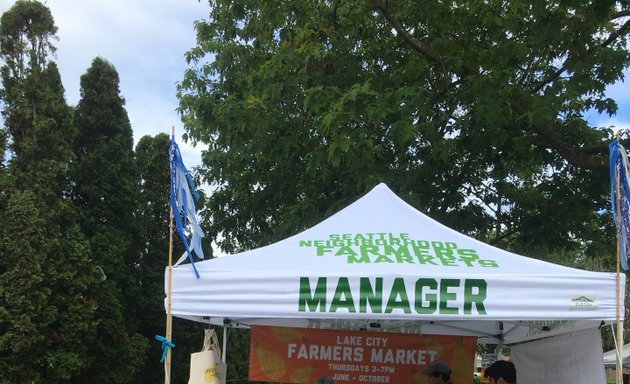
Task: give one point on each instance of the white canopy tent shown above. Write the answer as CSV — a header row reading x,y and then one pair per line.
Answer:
x,y
610,357
379,264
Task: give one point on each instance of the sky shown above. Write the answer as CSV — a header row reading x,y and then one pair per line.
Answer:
x,y
146,41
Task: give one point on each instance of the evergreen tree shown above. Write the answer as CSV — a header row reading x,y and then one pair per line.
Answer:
x,y
26,31
105,194
47,279
153,167
153,210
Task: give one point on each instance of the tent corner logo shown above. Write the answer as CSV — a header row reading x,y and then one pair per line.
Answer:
x,y
583,302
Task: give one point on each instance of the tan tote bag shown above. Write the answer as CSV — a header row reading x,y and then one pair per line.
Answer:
x,y
206,366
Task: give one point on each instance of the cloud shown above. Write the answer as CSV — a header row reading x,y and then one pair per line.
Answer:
x,y
621,120
145,40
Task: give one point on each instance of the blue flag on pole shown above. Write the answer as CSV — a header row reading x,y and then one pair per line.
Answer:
x,y
620,180
184,213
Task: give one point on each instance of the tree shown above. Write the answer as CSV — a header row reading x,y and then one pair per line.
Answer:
x,y
46,274
26,31
153,167
105,193
473,112
153,215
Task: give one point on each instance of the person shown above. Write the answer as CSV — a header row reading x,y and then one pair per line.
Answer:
x,y
438,372
501,372
325,380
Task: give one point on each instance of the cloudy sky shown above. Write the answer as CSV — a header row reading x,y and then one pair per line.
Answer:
x,y
146,40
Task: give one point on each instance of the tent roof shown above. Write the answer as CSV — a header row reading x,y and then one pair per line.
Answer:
x,y
610,357
381,264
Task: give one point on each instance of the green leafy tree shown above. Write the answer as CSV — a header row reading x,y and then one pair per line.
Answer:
x,y
472,112
105,193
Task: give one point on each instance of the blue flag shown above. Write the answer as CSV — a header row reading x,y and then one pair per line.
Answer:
x,y
620,174
182,193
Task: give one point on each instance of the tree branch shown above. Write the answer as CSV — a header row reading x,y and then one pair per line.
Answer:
x,y
594,158
613,36
572,154
418,46
620,14
334,12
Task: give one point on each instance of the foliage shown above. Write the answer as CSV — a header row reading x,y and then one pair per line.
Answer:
x,y
105,194
26,31
48,331
472,112
153,172
44,334
152,163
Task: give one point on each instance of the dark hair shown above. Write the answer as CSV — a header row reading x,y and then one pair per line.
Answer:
x,y
325,380
444,377
502,368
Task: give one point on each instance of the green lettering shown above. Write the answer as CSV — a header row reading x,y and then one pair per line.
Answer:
x,y
468,256
367,249
383,259
321,250
398,291
446,257
342,297
437,244
394,240
475,291
488,263
430,298
345,250
420,244
446,296
444,254
371,296
423,256
312,300
363,259
402,254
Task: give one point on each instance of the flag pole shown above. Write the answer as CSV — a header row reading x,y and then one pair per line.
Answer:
x,y
619,338
619,378
169,327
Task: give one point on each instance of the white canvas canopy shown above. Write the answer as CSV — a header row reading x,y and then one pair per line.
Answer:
x,y
379,264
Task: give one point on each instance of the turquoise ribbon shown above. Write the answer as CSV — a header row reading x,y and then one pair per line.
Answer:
x,y
166,344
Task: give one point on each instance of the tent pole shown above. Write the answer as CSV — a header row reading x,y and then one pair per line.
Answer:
x,y
169,326
225,335
619,365
620,352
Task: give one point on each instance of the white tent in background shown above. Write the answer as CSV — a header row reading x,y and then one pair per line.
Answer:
x,y
610,357
379,264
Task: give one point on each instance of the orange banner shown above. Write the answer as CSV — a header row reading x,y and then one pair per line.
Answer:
x,y
301,355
